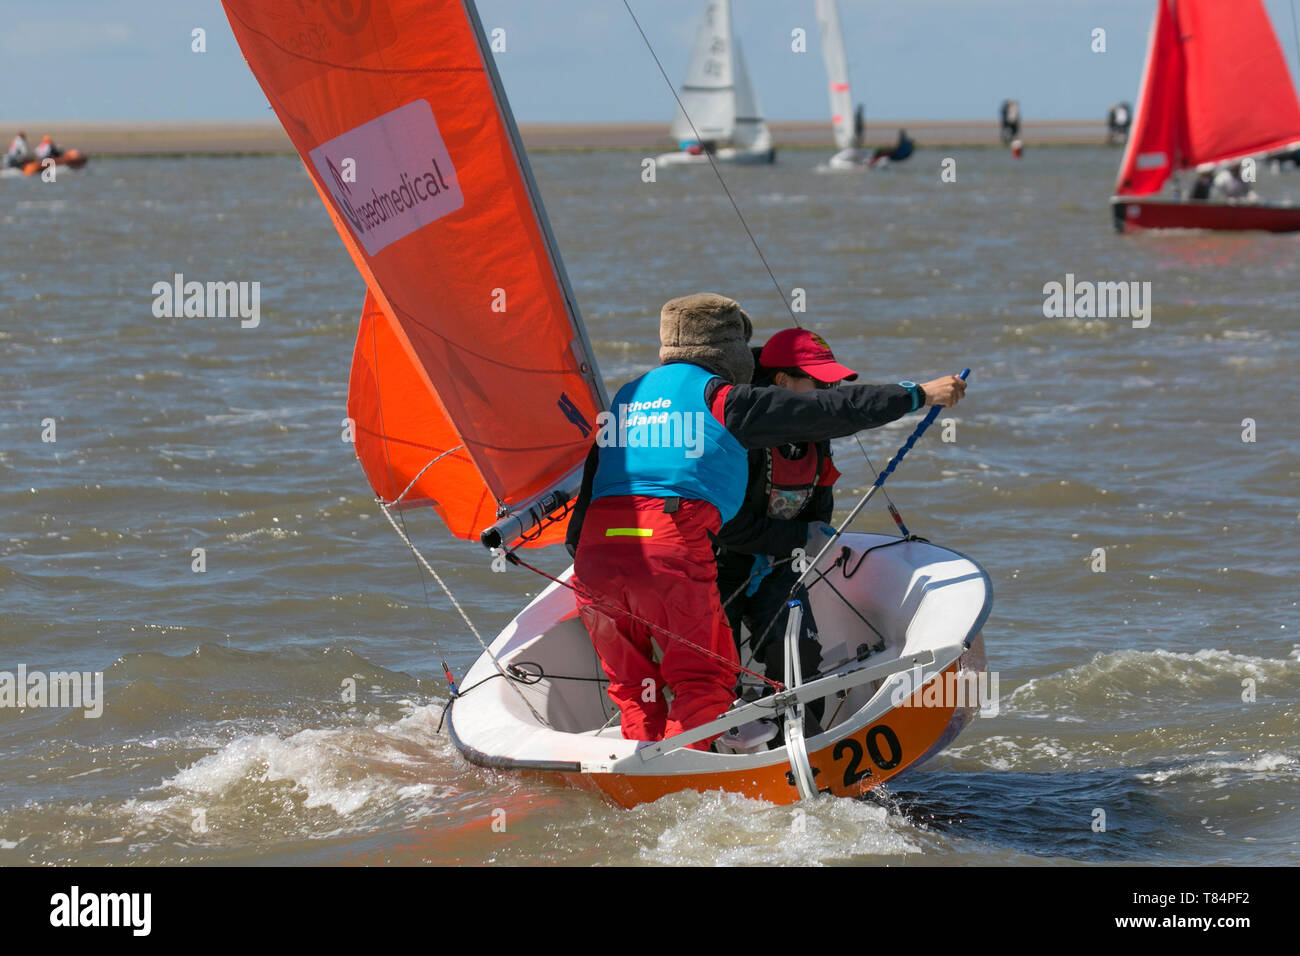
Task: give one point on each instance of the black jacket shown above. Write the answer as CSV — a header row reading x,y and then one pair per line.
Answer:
x,y
753,531
762,416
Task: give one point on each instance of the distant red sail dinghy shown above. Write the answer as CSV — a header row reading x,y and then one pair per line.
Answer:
x,y
1215,91
473,390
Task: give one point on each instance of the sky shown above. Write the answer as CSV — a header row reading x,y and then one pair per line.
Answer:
x,y
583,61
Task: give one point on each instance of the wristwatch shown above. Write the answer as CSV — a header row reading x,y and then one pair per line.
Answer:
x,y
918,394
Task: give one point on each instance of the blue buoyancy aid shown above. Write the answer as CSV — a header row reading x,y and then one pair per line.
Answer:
x,y
660,439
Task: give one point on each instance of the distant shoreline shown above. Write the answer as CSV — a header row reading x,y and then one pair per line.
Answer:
x,y
267,137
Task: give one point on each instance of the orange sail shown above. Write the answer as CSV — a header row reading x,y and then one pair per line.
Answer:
x,y
399,427
1216,89
470,338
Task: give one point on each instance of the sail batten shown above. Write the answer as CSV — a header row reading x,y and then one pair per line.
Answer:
x,y
470,336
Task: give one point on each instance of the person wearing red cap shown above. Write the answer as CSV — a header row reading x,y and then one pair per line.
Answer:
x,y
788,500
642,527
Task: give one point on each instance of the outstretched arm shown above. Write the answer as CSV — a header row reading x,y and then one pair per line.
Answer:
x,y
764,416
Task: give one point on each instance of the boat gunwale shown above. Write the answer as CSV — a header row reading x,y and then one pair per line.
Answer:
x,y
626,766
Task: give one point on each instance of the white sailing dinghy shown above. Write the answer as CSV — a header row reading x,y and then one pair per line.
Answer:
x,y
718,115
486,415
851,154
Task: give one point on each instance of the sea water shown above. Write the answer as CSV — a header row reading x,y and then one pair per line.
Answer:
x,y
180,514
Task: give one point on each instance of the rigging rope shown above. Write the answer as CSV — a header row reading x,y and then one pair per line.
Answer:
x,y
893,511
712,164
460,610
419,475
514,558
420,559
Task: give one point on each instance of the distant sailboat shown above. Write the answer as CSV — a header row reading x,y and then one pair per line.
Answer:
x,y
848,140
719,114
847,125
1215,91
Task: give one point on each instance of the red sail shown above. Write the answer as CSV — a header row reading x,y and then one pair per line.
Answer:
x,y
1240,98
470,338
1156,140
1215,89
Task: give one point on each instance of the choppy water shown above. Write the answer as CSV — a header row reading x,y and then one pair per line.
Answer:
x,y
224,736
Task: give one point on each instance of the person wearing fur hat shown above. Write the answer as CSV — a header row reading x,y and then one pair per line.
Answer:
x,y
669,466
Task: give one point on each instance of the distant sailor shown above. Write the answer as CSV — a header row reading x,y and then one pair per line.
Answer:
x,y
660,483
18,153
1010,120
1117,123
1229,185
859,126
47,150
901,149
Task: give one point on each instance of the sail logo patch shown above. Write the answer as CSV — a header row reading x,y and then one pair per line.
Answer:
x,y
390,176
574,414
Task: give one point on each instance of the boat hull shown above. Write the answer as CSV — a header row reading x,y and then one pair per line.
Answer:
x,y
924,601
738,157
72,158
846,766
1136,215
852,160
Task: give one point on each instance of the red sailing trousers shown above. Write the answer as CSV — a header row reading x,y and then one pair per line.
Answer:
x,y
632,557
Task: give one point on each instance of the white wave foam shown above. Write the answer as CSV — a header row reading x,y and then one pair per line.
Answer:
x,y
1134,674
719,829
1223,772
345,769
1009,753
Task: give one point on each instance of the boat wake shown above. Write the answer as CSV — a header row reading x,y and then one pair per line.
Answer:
x,y
717,829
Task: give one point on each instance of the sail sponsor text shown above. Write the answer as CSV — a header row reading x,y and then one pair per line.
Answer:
x,y
390,176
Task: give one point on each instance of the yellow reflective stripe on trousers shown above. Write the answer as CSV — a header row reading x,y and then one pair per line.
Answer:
x,y
629,532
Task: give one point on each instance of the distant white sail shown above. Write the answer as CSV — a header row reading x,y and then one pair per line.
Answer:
x,y
751,132
837,72
709,95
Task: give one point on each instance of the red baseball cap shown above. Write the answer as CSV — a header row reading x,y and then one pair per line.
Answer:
x,y
806,351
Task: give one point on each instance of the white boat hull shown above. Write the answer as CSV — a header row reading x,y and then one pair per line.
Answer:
x,y
744,157
925,601
853,160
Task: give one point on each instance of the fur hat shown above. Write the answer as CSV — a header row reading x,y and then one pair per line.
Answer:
x,y
708,330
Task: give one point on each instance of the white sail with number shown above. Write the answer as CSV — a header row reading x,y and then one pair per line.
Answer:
x,y
708,95
718,114
751,132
